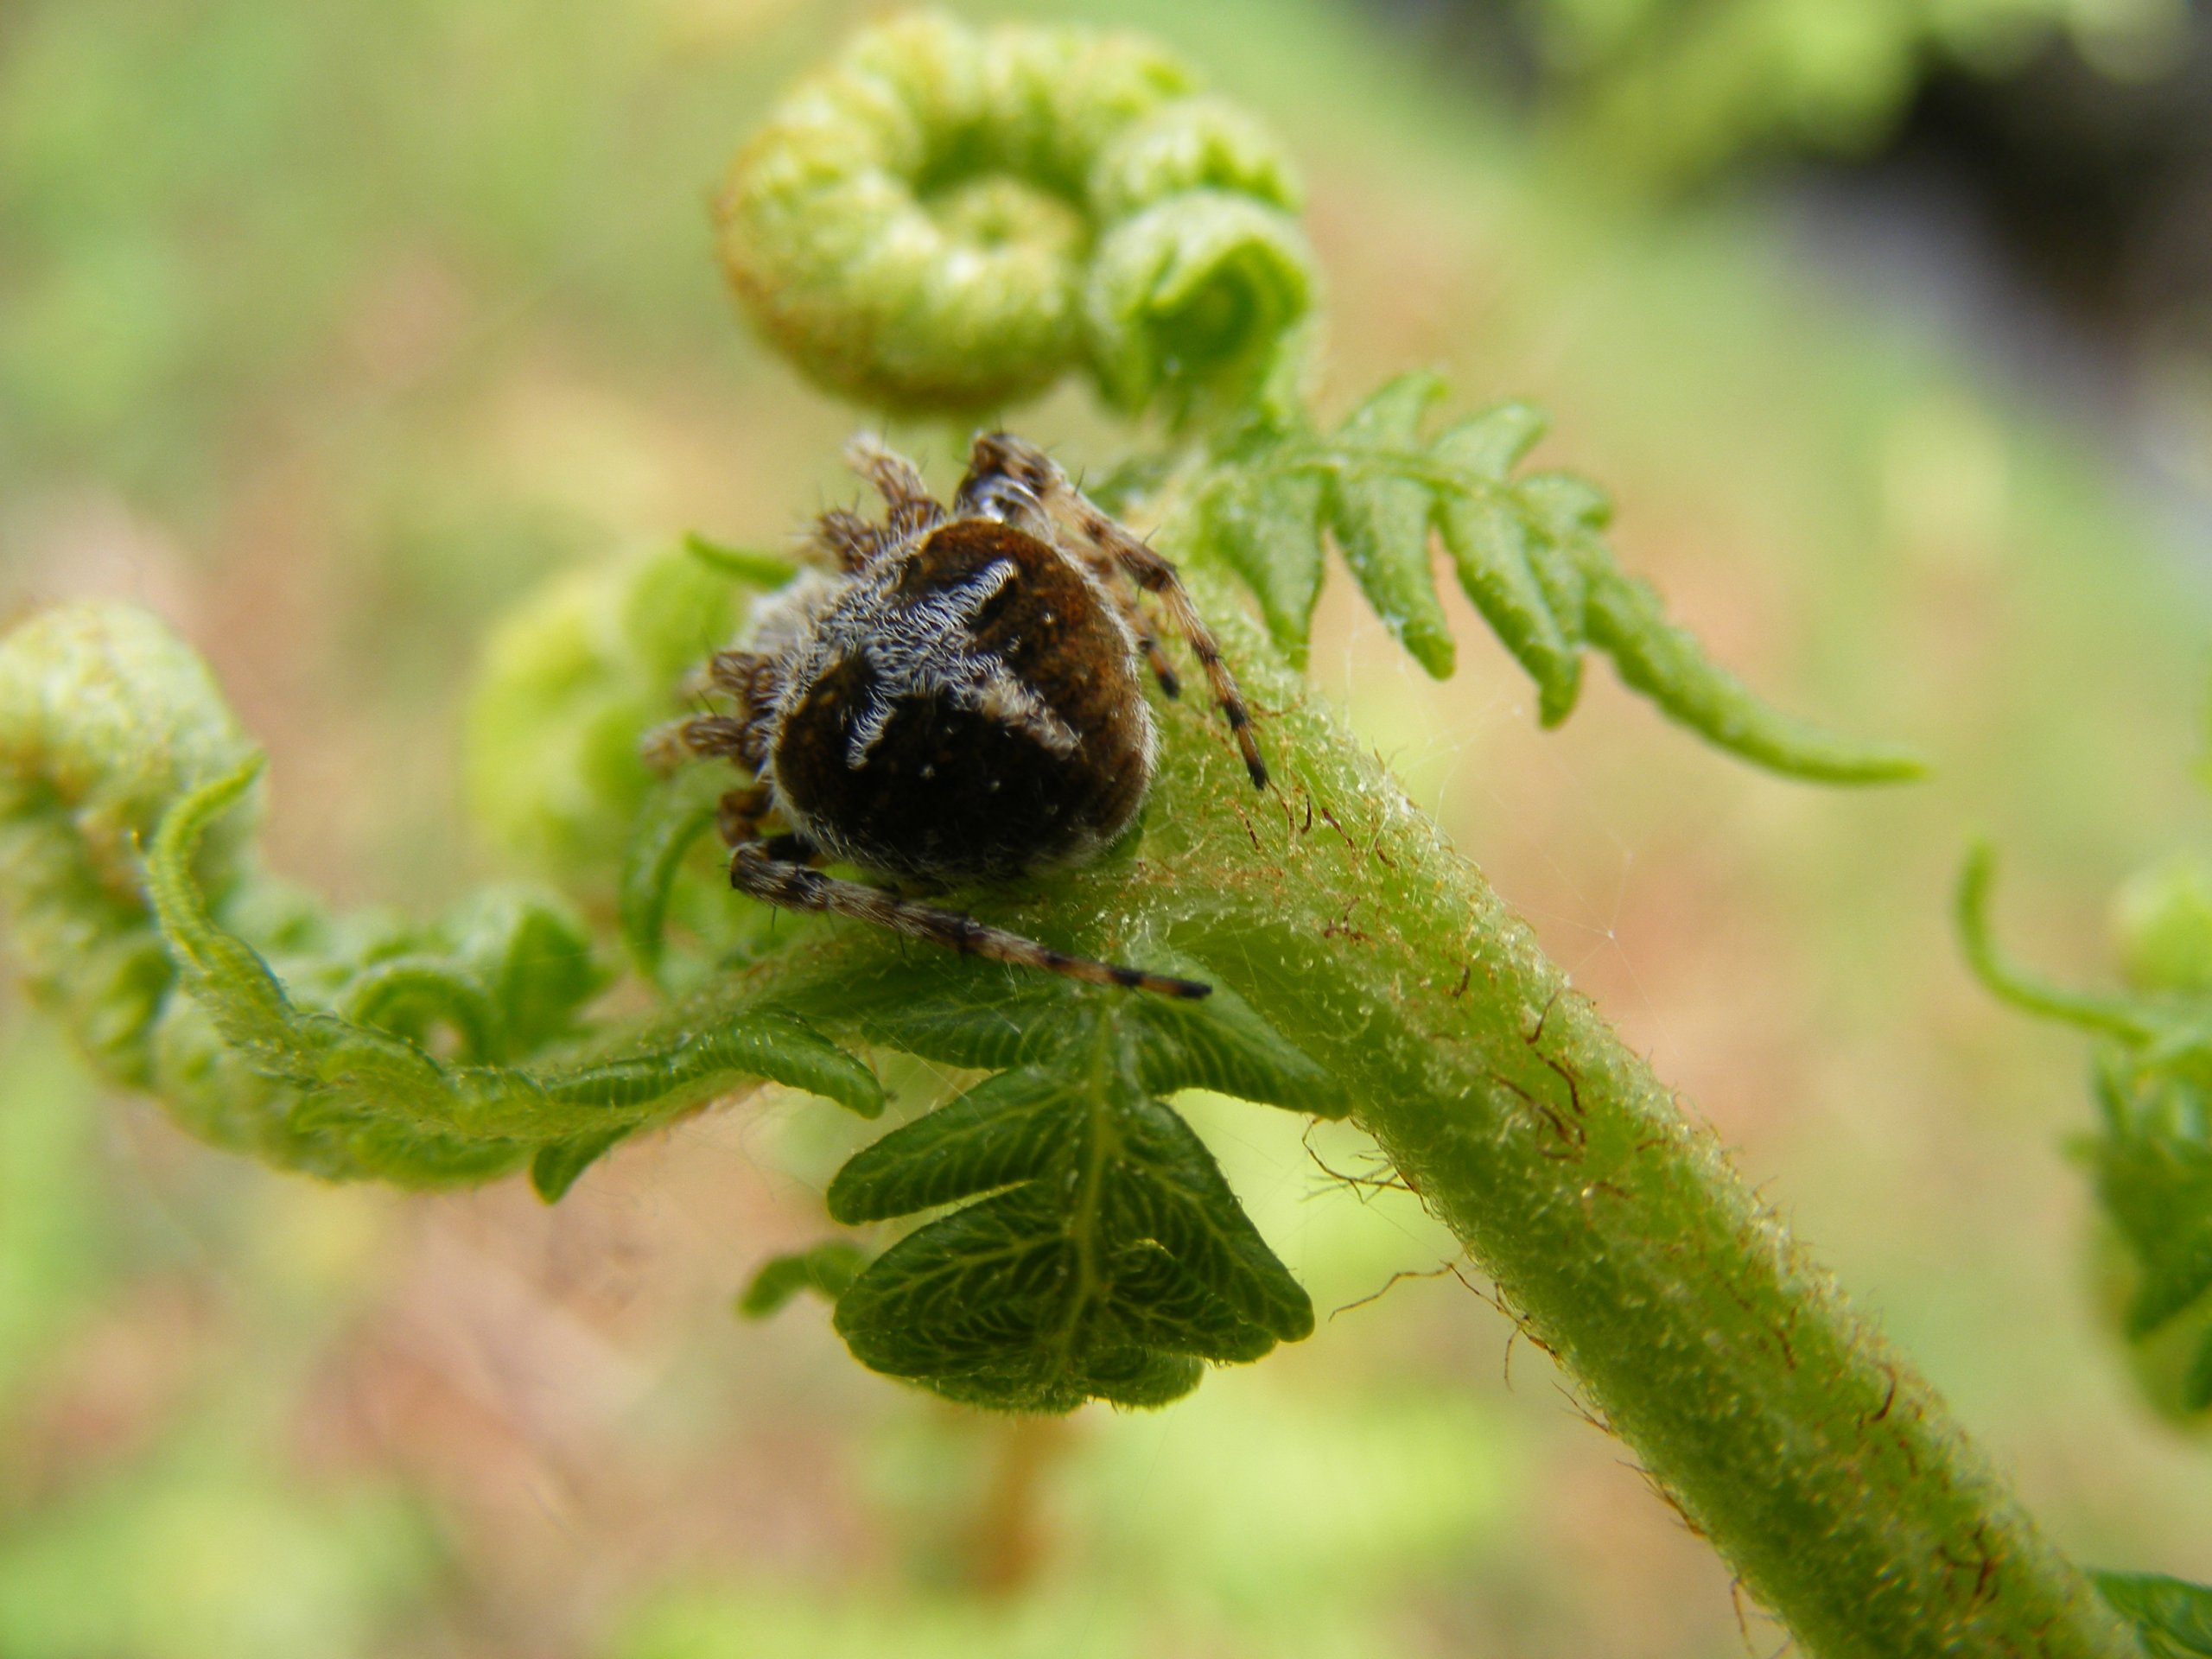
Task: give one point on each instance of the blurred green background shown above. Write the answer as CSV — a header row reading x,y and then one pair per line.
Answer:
x,y
327,329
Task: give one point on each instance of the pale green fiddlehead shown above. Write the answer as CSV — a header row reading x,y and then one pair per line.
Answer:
x,y
106,720
951,219
566,683
344,1046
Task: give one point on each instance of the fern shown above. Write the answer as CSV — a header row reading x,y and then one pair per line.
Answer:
x,y
2172,1618
828,1269
2151,1159
1103,1255
335,1072
1109,1259
946,220
1528,551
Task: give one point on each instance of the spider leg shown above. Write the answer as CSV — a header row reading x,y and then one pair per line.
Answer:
x,y
738,814
750,679
1158,575
1140,631
669,744
754,869
909,511
841,540
998,455
896,479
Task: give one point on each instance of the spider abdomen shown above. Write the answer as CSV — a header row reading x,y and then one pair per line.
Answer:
x,y
970,713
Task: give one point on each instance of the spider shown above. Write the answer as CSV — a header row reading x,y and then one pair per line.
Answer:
x,y
950,697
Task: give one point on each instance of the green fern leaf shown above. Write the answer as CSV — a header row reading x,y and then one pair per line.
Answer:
x,y
677,812
370,1084
1491,442
2155,1179
2172,1618
1626,620
1267,528
1510,566
1527,551
1109,1259
749,565
828,1270
1381,519
553,1169
1007,1129
1098,1254
2153,1160
974,1014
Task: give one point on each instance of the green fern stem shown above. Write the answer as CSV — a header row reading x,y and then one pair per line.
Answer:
x,y
1787,1430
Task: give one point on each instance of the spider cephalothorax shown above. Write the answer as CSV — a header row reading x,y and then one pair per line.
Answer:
x,y
952,697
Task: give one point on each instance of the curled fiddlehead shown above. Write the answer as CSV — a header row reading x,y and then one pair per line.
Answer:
x,y
347,1047
106,719
566,681
952,218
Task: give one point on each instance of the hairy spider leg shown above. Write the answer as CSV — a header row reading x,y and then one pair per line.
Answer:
x,y
896,479
742,737
849,541
1141,630
738,812
1120,555
789,885
750,678
987,492
668,746
1156,575
843,540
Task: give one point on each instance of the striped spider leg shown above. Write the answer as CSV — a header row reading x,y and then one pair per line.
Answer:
x,y
1009,477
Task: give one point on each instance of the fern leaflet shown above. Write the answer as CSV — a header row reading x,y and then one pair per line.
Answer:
x,y
1528,551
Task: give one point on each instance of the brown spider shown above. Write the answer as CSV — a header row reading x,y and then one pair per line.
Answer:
x,y
951,698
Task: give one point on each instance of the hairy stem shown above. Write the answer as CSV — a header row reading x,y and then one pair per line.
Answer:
x,y
1820,1462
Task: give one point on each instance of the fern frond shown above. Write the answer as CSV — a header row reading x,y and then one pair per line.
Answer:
x,y
828,1269
1096,1252
347,1073
2152,1161
2172,1618
1528,551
